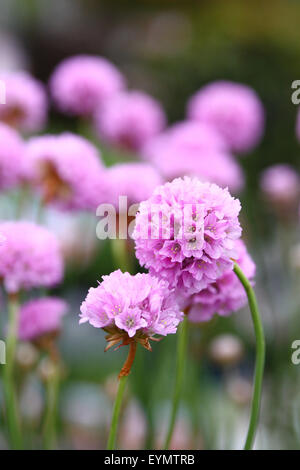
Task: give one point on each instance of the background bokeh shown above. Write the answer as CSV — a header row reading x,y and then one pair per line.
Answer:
x,y
170,49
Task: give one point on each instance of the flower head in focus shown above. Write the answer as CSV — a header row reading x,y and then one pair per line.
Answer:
x,y
12,152
233,109
185,233
67,169
26,102
80,84
194,149
131,308
30,258
129,119
226,295
41,316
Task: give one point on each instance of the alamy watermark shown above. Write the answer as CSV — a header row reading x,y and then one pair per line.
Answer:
x,y
2,92
159,222
2,352
295,97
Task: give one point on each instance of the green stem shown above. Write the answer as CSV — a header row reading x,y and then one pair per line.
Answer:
x,y
121,254
260,357
51,409
116,413
180,368
12,416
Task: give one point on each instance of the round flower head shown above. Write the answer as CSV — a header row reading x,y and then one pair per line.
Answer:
x,y
185,233
280,184
12,151
67,169
41,316
2,239
129,119
26,102
233,109
30,257
224,296
137,181
194,149
129,306
80,84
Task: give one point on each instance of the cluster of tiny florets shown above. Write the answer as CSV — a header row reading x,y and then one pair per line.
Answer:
x,y
185,233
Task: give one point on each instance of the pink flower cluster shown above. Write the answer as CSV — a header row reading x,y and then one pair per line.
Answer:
x,y
30,258
41,316
12,151
26,102
139,304
129,119
137,181
67,169
226,295
185,233
80,84
194,149
233,109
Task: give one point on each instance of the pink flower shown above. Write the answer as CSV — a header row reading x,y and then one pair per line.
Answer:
x,y
233,109
80,84
41,316
194,149
139,305
30,257
129,119
281,184
2,239
12,152
67,169
224,296
26,102
185,233
137,181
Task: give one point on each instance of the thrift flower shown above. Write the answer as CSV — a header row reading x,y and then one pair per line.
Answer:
x,y
30,258
185,233
26,102
137,181
12,152
194,149
80,84
131,307
280,184
41,316
129,119
233,109
226,295
66,169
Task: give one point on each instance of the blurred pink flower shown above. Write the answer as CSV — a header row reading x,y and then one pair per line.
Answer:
x,y
139,305
26,102
185,233
137,181
224,296
80,84
280,184
30,258
194,149
67,169
233,109
12,152
41,316
129,119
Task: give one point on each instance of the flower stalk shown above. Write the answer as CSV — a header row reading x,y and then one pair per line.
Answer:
x,y
125,371
260,357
